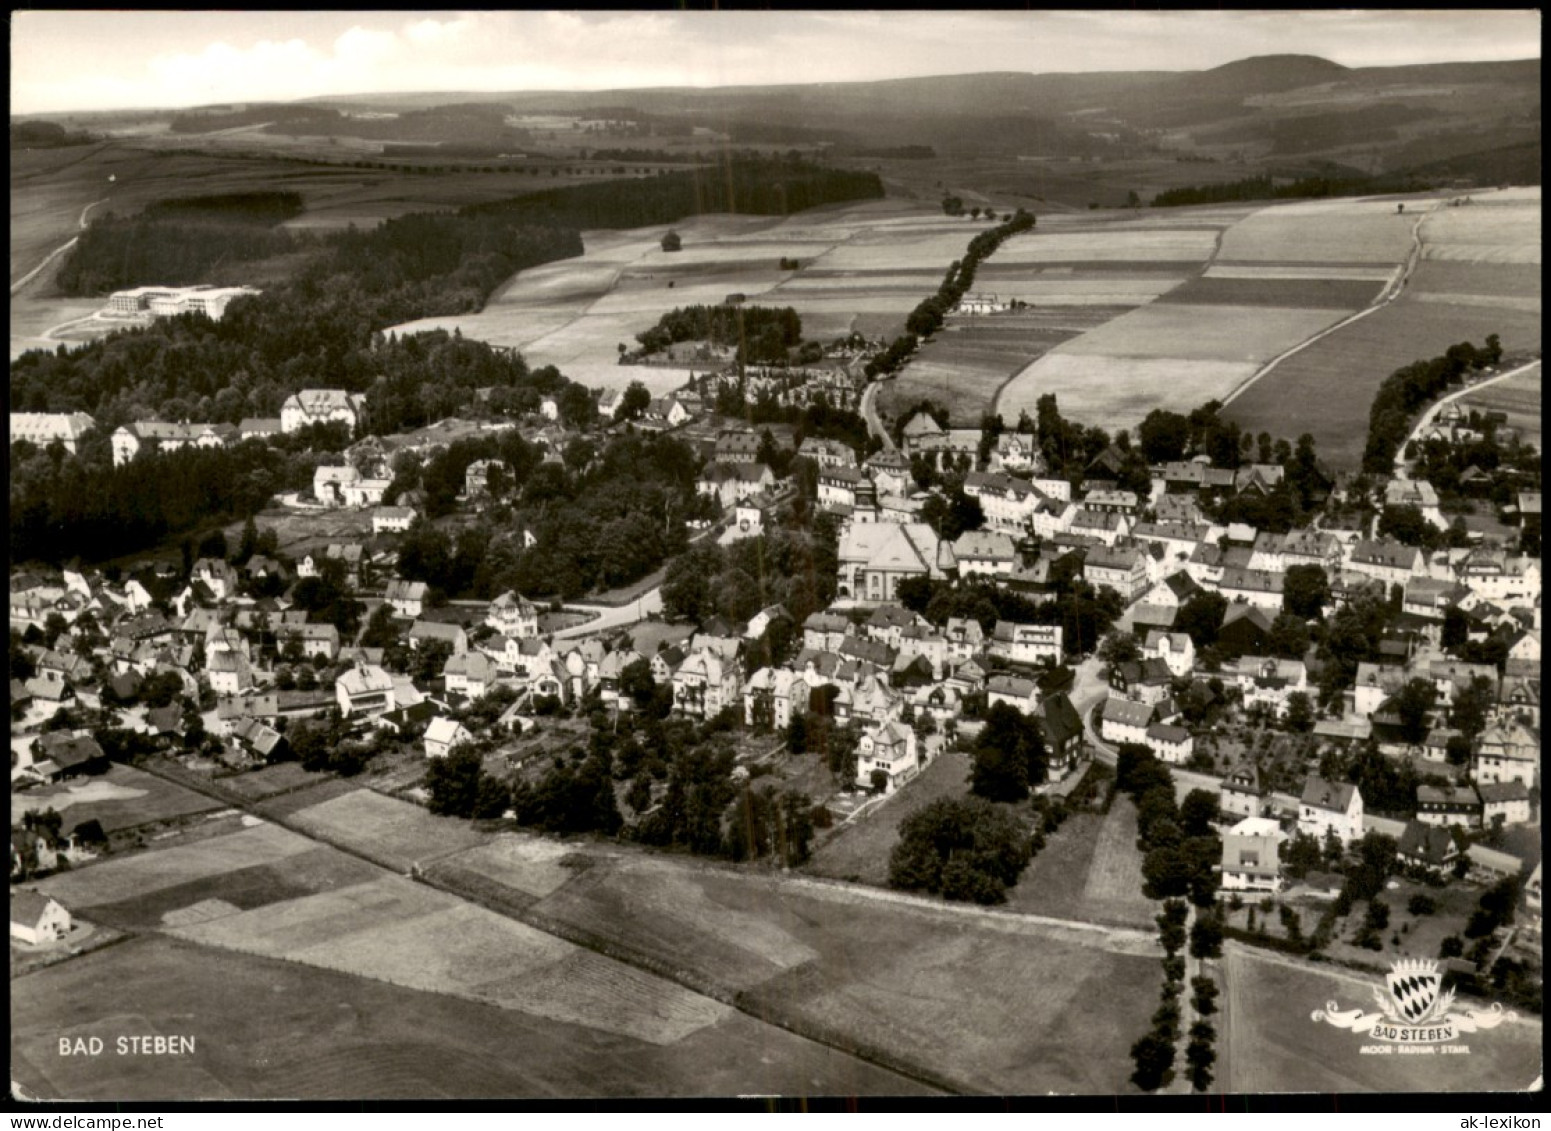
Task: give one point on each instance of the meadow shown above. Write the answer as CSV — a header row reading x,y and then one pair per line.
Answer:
x,y
395,834
281,1030
1521,397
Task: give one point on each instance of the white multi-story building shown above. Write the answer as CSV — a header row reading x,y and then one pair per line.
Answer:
x,y
43,428
155,436
163,302
1331,807
322,406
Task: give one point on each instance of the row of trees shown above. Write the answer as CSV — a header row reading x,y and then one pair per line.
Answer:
x,y
928,315
1407,389
1264,187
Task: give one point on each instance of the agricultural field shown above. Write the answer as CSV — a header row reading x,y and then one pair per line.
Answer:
x,y
121,878
281,1030
1520,396
864,267
899,976
1111,243
964,366
1197,332
122,798
1268,1041
1118,392
1340,231
1328,388
394,833
1210,290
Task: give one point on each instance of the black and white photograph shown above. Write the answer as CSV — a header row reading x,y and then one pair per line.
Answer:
x,y
825,555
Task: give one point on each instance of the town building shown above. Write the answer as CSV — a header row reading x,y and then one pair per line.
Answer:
x,y
322,406
156,437
890,750
1251,859
165,302
1331,807
37,919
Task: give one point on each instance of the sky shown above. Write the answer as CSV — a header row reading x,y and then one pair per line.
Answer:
x,y
85,60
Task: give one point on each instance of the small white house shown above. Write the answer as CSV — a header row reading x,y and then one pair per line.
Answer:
x,y
1251,856
37,919
444,736
1175,649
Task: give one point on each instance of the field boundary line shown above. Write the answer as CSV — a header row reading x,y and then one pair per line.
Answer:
x,y
1388,295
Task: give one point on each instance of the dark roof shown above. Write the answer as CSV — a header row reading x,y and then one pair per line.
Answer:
x,y
1059,719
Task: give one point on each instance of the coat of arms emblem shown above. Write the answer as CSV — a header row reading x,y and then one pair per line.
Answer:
x,y
1414,1008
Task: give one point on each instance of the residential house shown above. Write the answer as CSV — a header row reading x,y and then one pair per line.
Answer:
x,y
665,663
228,672
329,483
1416,493
1505,802
1102,526
731,483
1175,649
823,632
890,750
1331,807
705,683
1176,541
1016,451
1253,587
1491,574
1251,858
1171,744
314,639
1386,560
762,620
1268,681
1242,793
737,447
407,598
513,616
838,485
827,453
476,477
469,673
445,735
1124,720
891,473
392,520
1311,547
986,553
365,690
36,919
1022,695
1141,681
1448,805
1122,568
962,637
1507,751
1430,848
1007,501
1025,643
364,492
453,635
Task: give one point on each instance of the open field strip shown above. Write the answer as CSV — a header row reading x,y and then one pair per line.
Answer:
x,y
1113,890
1343,295
1495,302
1222,269
1505,280
1274,1044
1333,231
531,864
270,1029
1119,391
1194,245
1200,333
124,877
396,834
1485,231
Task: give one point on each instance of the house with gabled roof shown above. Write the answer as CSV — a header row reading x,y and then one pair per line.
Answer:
x,y
1251,856
321,406
406,597
1243,792
889,749
365,690
1504,803
987,553
445,735
453,635
37,919
1176,649
1123,720
1507,751
1333,807
1430,848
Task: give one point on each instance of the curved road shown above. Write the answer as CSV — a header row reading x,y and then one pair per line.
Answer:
x,y
56,253
1402,469
870,414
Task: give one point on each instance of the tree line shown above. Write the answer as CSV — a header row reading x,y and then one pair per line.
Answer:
x,y
1407,389
762,335
1264,187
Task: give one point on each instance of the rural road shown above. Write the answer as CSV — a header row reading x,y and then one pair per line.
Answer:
x,y
1391,292
613,616
1402,469
870,414
56,253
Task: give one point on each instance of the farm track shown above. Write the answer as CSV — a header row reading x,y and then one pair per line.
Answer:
x,y
21,283
1390,293
1402,469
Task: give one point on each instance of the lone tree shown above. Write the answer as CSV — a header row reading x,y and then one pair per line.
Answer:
x,y
672,241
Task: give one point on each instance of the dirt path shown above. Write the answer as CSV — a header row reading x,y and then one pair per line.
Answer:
x,y
17,286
